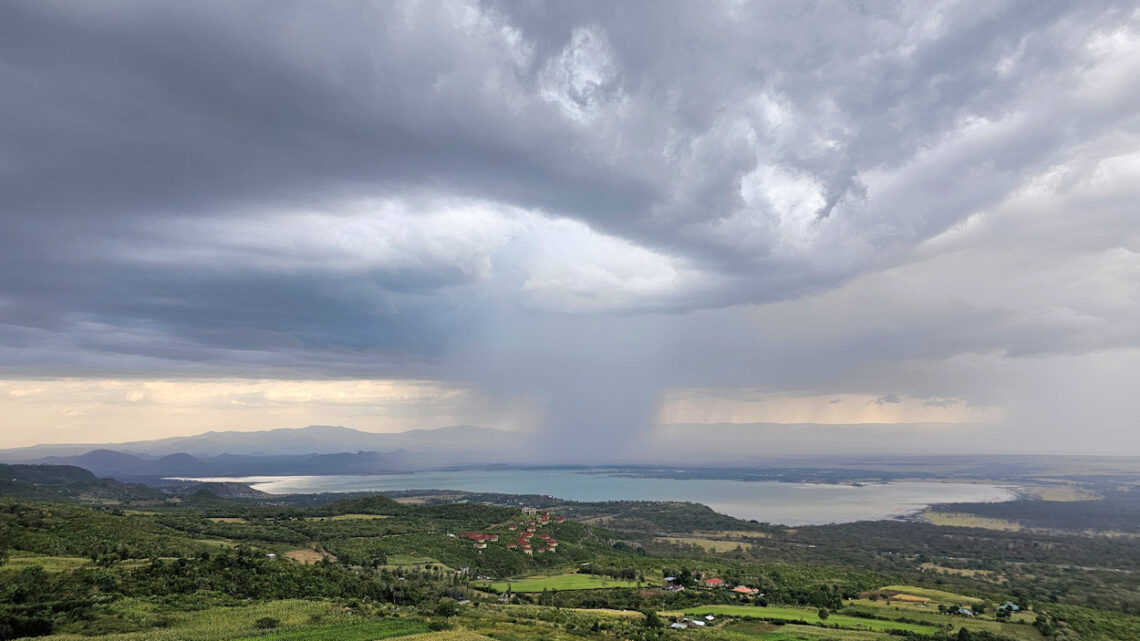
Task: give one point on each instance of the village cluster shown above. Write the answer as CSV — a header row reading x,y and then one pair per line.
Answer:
x,y
527,525
673,585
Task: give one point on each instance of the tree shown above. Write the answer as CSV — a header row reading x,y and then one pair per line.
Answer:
x,y
652,620
447,607
685,578
823,614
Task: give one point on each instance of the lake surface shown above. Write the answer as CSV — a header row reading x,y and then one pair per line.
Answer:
x,y
771,501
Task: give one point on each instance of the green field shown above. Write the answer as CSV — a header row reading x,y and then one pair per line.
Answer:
x,y
408,559
348,517
48,563
937,596
808,616
931,615
562,582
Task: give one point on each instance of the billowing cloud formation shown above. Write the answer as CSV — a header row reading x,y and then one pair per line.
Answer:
x,y
591,203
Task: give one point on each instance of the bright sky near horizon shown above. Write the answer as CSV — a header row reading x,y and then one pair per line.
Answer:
x,y
588,218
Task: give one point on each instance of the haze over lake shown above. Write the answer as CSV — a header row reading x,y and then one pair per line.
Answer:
x,y
770,501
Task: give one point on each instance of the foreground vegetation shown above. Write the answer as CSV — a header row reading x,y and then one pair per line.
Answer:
x,y
368,567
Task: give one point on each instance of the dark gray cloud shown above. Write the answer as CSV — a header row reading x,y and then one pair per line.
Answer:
x,y
888,398
558,198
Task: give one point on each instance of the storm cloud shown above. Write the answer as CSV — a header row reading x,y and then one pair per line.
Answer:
x,y
584,205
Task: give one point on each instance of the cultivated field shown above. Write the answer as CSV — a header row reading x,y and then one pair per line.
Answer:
x,y
708,544
305,555
792,632
806,615
932,616
562,582
937,596
934,567
48,563
348,517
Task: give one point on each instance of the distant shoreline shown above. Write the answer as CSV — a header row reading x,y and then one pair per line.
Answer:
x,y
789,502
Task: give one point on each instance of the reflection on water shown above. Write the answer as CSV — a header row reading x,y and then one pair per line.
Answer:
x,y
771,501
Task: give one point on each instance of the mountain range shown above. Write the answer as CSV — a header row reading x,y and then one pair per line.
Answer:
x,y
317,449
315,439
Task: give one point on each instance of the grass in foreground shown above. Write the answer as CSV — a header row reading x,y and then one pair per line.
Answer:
x,y
224,623
809,616
361,631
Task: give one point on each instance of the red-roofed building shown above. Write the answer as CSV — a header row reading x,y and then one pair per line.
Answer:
x,y
479,538
714,583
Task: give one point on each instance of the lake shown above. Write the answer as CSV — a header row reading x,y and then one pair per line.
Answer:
x,y
770,501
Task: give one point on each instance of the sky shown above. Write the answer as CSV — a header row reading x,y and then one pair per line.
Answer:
x,y
593,220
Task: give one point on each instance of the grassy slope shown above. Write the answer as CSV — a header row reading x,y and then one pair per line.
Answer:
x,y
936,596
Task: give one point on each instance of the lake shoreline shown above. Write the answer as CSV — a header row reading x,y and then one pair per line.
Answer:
x,y
784,502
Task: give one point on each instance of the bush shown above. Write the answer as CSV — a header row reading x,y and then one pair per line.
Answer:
x,y
447,607
266,623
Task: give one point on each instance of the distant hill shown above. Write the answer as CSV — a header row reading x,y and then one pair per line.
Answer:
x,y
55,482
101,461
68,483
127,466
446,446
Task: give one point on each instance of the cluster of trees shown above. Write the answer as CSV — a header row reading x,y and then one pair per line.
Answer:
x,y
34,602
627,573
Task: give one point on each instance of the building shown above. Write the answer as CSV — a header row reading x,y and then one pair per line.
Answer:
x,y
714,583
